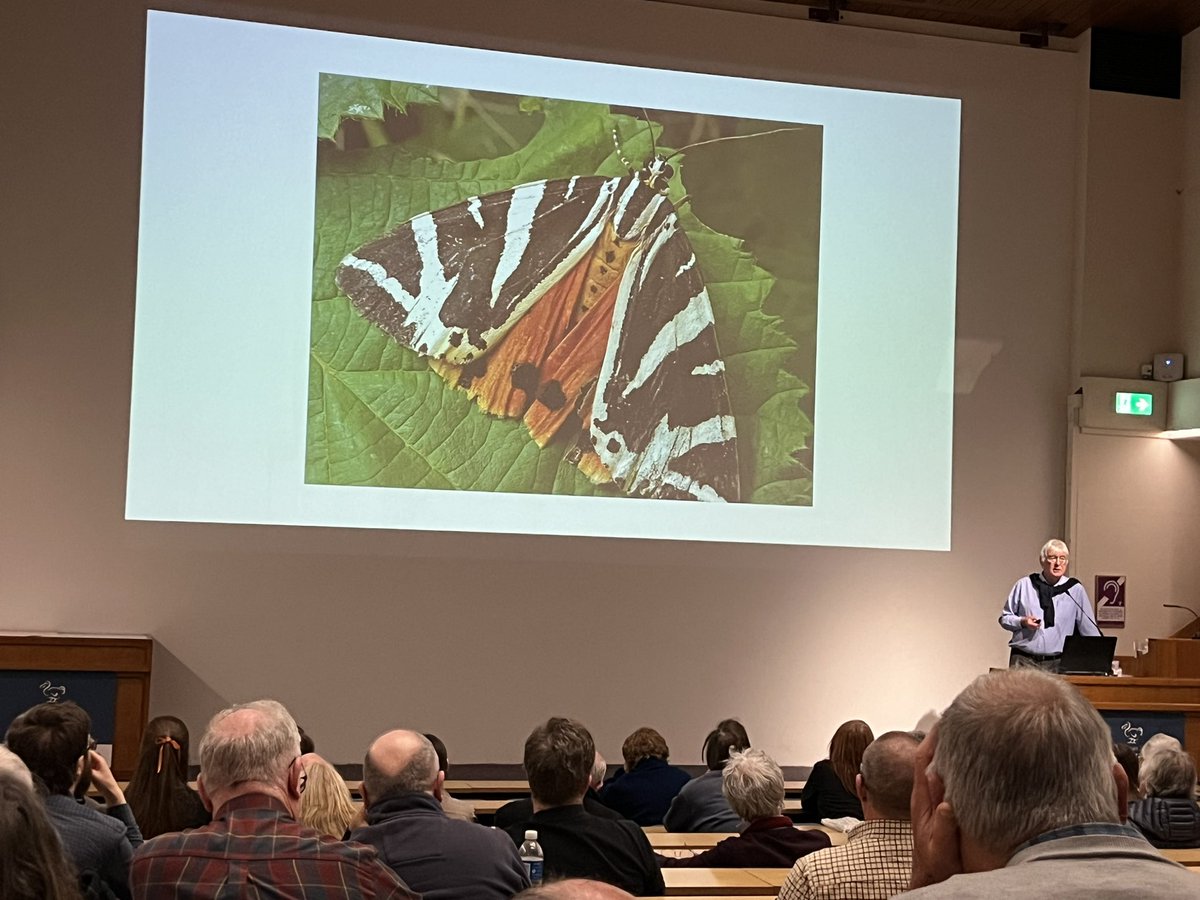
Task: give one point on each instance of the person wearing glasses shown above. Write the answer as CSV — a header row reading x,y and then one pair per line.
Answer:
x,y
1043,608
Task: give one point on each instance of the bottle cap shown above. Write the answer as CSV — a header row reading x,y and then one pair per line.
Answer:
x,y
531,835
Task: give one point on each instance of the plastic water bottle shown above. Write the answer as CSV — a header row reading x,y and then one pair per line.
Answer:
x,y
531,857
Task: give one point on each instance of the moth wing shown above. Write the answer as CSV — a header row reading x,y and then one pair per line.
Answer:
x,y
451,282
661,420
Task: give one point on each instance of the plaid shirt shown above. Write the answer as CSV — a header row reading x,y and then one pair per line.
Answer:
x,y
255,850
875,861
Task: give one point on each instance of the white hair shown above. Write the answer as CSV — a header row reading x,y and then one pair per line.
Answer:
x,y
1169,773
599,770
752,782
1056,546
1156,744
15,766
1021,752
262,754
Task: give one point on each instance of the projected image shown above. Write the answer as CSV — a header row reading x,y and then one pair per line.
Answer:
x,y
530,295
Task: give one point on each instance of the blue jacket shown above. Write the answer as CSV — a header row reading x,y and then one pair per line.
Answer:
x,y
645,794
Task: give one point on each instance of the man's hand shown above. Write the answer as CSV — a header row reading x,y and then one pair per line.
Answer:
x,y
1031,623
103,780
936,853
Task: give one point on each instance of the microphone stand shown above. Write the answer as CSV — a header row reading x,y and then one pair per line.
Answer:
x,y
1196,634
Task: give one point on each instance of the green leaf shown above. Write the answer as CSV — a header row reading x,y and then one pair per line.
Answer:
x,y
346,97
378,415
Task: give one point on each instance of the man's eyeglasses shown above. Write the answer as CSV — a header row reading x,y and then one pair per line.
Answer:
x,y
1054,559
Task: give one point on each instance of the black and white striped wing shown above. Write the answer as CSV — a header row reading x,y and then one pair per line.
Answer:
x,y
661,419
450,283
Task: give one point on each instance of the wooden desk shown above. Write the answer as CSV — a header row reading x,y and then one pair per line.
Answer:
x,y
724,882
1189,858
700,841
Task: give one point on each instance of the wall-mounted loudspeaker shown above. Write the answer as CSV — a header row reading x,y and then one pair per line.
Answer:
x,y
1168,366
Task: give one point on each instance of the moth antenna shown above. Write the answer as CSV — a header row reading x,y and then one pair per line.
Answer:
x,y
620,153
733,137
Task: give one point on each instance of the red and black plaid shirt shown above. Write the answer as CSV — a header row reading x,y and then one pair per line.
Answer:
x,y
254,849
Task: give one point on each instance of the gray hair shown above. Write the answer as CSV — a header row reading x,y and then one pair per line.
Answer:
x,y
1156,744
418,773
752,782
262,754
1053,545
1170,773
15,766
887,772
1020,753
599,770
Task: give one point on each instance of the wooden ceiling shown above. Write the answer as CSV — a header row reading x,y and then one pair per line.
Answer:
x,y
1059,18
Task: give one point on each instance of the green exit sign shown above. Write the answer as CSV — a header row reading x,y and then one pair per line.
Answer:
x,y
1134,404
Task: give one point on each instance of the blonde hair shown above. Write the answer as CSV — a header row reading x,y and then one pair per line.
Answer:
x,y
326,804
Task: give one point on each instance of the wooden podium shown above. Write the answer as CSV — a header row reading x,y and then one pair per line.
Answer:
x,y
127,658
1165,680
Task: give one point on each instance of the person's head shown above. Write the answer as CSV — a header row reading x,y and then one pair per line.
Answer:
x,y
729,735
439,747
159,777
846,750
1169,773
573,889
558,762
599,770
885,780
645,743
752,782
251,748
326,804
1020,752
52,739
32,863
1156,744
1128,761
307,744
1055,557
11,764
399,762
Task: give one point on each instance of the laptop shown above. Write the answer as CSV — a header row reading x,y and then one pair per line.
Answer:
x,y
1087,655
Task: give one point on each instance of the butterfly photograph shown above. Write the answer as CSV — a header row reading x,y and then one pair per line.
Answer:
x,y
534,295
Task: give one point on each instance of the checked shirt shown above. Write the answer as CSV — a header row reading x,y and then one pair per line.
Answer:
x,y
875,861
255,850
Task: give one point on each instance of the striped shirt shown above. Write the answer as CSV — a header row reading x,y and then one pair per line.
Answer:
x,y
875,861
254,850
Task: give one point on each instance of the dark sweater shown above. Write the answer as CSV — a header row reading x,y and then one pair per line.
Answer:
x,y
771,842
645,794
824,796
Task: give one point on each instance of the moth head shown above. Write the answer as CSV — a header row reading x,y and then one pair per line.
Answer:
x,y
657,174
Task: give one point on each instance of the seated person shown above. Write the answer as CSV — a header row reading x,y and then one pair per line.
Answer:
x,y
326,804
32,864
453,807
54,741
576,844
829,791
644,789
753,785
701,805
158,793
517,811
1167,814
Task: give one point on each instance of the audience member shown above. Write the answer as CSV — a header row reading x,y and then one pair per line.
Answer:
x,y
452,806
573,889
753,785
307,744
644,788
326,804
829,791
53,740
251,779
517,811
1016,792
876,860
11,764
558,762
700,805
441,857
32,863
1168,815
1155,744
158,793
1129,762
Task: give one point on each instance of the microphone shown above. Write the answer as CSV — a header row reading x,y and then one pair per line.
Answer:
x,y
1196,635
1085,611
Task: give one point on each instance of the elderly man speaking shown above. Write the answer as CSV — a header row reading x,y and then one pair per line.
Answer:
x,y
1045,607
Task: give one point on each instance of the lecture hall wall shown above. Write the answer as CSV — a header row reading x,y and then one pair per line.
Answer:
x,y
478,637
